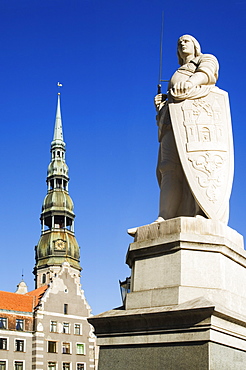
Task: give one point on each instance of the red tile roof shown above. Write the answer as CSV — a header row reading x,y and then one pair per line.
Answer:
x,y
21,302
38,293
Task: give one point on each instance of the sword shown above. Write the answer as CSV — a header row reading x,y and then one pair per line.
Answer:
x,y
160,66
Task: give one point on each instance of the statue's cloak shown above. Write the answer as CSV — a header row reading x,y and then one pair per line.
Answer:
x,y
203,135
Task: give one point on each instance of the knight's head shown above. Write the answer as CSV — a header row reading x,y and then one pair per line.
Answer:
x,y
187,45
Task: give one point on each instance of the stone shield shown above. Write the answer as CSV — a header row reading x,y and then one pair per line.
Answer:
x,y
203,134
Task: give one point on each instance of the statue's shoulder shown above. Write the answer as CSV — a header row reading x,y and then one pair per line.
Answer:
x,y
204,58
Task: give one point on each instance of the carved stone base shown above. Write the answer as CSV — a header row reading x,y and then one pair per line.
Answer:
x,y
185,258
191,336
186,308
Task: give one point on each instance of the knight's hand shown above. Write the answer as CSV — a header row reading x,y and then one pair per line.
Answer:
x,y
159,99
181,88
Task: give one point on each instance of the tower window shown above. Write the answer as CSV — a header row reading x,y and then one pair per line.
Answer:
x,y
65,308
59,222
58,154
59,183
44,279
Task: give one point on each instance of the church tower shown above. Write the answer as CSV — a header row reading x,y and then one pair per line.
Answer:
x,y
57,243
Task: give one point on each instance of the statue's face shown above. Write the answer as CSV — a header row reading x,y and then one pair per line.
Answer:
x,y
186,46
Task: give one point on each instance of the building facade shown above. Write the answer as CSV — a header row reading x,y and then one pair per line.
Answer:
x,y
47,328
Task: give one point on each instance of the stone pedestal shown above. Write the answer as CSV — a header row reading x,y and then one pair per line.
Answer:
x,y
186,308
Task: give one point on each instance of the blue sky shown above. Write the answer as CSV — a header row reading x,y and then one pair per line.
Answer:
x,y
106,55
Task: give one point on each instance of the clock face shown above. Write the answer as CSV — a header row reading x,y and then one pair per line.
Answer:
x,y
59,244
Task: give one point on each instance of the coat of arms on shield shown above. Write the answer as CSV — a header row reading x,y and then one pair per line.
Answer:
x,y
203,134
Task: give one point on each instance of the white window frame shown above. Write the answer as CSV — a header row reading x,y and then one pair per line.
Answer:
x,y
65,353
81,354
23,361
80,328
4,359
24,340
69,327
56,327
53,362
66,362
48,346
3,337
82,363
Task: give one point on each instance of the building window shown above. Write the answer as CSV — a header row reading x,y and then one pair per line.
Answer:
x,y
52,346
19,345
19,324
65,308
19,365
66,366
3,323
51,365
80,367
66,347
3,365
77,329
66,327
80,348
43,278
53,326
3,343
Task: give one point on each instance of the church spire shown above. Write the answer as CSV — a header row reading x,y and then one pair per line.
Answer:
x,y
58,134
57,243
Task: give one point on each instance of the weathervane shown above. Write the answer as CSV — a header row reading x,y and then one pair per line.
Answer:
x,y
59,85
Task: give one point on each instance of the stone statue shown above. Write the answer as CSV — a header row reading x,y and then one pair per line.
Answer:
x,y
195,161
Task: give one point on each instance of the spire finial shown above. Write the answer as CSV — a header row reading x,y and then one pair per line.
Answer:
x,y
58,134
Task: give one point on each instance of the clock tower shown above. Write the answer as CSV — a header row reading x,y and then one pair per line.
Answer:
x,y
57,243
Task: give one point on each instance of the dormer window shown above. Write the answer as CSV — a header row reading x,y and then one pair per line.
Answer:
x,y
19,324
3,323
